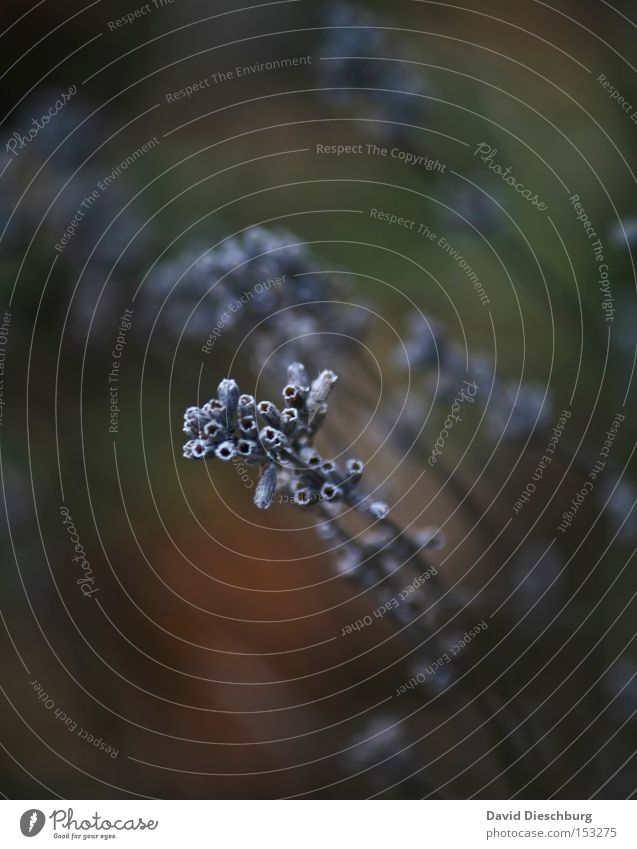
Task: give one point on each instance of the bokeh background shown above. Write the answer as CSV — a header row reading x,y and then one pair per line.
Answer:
x,y
212,660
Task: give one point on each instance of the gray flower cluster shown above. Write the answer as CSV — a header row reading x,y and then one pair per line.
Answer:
x,y
263,286
279,439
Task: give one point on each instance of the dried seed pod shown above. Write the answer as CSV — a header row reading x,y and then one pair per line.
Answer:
x,y
305,496
228,393
290,421
272,439
266,487
319,419
319,391
215,431
269,413
247,405
331,492
331,472
355,469
248,427
226,451
197,449
192,421
295,396
214,408
311,458
249,450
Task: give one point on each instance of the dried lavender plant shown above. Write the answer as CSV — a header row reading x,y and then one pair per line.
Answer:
x,y
382,560
278,440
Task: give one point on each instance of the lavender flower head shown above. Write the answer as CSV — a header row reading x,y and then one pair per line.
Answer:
x,y
279,440
262,286
514,411
364,68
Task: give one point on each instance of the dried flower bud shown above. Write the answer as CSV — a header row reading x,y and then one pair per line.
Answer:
x,y
228,393
248,449
192,421
377,509
248,426
318,420
319,392
311,458
355,469
272,439
247,405
331,472
305,496
269,413
266,487
214,430
297,483
290,420
214,409
286,457
226,451
197,449
331,492
295,396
